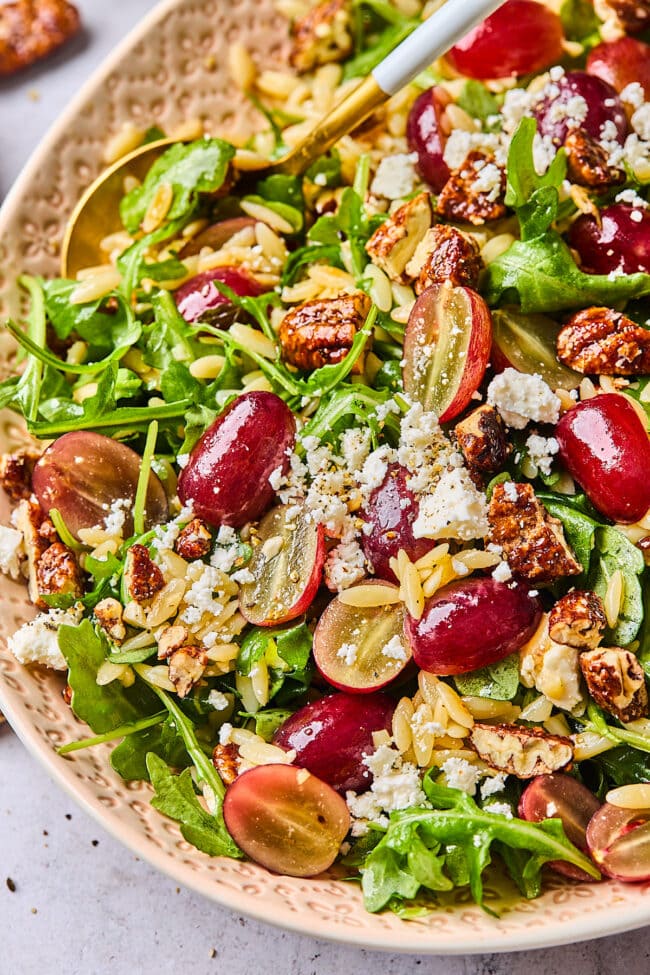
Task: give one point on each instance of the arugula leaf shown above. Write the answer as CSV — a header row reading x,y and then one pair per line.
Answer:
x,y
522,178
623,765
351,223
326,171
129,758
499,681
27,390
190,169
328,253
580,529
580,22
477,100
267,721
615,551
352,400
107,324
287,652
598,724
102,708
175,797
411,854
282,188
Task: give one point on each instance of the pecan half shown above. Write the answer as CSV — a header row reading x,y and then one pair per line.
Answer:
x,y
32,29
482,439
445,254
108,613
58,572
532,541
16,474
227,762
186,668
616,681
578,620
587,162
27,518
321,332
394,242
604,342
474,192
321,36
172,638
143,578
524,752
194,541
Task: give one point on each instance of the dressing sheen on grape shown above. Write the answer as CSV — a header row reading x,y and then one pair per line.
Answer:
x,y
199,295
390,512
554,113
424,136
621,242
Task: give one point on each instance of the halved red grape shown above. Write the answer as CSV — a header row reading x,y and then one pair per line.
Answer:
x,y
215,236
286,819
331,736
554,112
199,295
619,842
468,625
82,474
527,343
605,448
521,37
287,567
424,135
391,510
227,475
622,62
620,243
560,796
361,649
446,348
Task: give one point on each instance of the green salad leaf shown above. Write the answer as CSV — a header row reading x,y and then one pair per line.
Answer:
x,y
129,758
615,551
499,681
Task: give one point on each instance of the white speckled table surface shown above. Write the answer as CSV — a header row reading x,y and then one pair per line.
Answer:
x,y
74,901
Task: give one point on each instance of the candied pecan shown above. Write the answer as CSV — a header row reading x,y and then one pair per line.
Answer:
x,y
47,531
27,518
532,541
630,16
108,613
587,162
616,681
194,541
578,620
474,192
445,254
227,762
482,439
186,667
142,576
172,638
16,474
604,342
524,752
394,242
58,572
321,36
32,29
321,332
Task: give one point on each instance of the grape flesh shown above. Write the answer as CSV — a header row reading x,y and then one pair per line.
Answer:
x,y
198,298
390,512
620,243
425,137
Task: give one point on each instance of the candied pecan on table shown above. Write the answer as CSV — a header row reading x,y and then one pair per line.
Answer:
x,y
524,752
16,473
474,192
194,541
587,162
227,762
143,578
58,572
32,29
321,36
532,541
604,342
321,332
483,441
578,620
616,681
186,667
445,254
394,242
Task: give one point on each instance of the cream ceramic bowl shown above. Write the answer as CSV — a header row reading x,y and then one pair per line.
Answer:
x,y
174,66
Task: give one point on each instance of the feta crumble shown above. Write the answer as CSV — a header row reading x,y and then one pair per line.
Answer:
x,y
11,551
396,176
348,653
520,398
396,785
37,642
493,784
218,701
461,775
394,649
541,451
455,509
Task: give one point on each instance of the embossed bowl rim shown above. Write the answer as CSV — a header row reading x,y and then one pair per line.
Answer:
x,y
560,916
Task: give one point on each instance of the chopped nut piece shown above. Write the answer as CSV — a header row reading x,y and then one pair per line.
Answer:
x,y
186,668
172,638
321,332
194,541
588,162
533,542
108,613
445,254
604,342
16,474
48,532
142,576
578,620
616,681
482,439
27,518
31,30
58,572
394,242
474,192
524,752
631,16
321,36
227,762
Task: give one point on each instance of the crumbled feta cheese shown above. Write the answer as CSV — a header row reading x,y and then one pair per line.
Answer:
x,y
355,447
640,122
199,598
396,176
348,653
218,701
636,216
345,565
12,551
633,94
632,197
37,642
461,775
502,573
499,809
488,181
225,731
394,649
165,535
396,785
276,478
383,409
460,143
114,520
520,397
242,576
423,450
182,460
455,509
541,451
493,784
510,491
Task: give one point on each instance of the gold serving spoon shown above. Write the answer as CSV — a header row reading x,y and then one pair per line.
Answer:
x,y
97,212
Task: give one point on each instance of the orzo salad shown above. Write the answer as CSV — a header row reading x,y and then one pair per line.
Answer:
x,y
335,510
